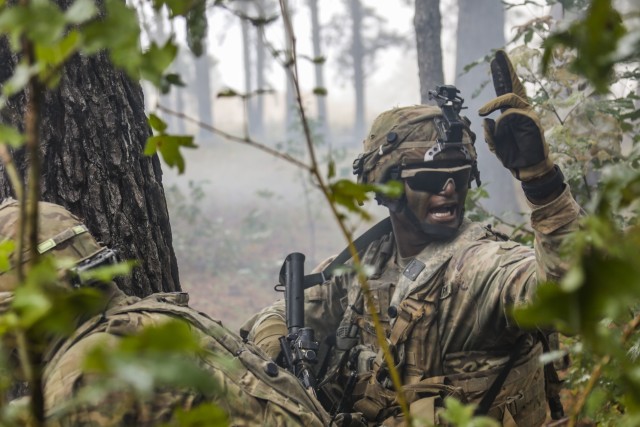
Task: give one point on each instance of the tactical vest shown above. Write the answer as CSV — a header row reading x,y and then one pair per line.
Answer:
x,y
427,375
248,368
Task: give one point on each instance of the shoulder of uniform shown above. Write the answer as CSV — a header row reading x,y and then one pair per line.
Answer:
x,y
494,234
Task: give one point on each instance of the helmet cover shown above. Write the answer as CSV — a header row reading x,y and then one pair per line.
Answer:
x,y
406,137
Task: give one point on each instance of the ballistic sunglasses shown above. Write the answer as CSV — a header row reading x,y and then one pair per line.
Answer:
x,y
433,180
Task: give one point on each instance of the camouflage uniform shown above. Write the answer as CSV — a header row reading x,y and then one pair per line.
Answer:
x,y
252,389
445,311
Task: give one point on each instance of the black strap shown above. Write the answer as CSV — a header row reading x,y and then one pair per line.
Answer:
x,y
492,393
552,382
542,188
361,243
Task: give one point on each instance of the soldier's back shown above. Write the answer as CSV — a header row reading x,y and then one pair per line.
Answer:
x,y
251,389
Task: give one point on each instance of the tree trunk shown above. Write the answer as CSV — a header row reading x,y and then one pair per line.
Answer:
x,y
321,100
357,52
291,120
247,64
261,60
93,133
480,29
428,26
203,66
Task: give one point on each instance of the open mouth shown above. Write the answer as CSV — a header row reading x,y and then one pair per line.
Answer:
x,y
444,213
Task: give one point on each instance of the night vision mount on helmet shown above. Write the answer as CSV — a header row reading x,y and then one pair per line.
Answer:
x,y
418,136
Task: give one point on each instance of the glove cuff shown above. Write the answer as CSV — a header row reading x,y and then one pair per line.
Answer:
x,y
544,187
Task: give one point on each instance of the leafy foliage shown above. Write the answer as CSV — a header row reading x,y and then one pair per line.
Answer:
x,y
592,128
168,145
596,37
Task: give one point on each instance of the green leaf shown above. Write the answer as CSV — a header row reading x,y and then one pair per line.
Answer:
x,y
197,28
6,249
551,308
173,336
169,148
206,414
331,169
41,22
165,354
156,60
528,36
45,304
17,82
157,123
13,23
176,7
53,55
81,11
174,79
391,189
107,273
227,93
11,136
350,195
595,38
460,415
321,91
118,32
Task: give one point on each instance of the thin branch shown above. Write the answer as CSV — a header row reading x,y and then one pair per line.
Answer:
x,y
235,138
12,172
628,329
553,109
29,207
514,227
292,67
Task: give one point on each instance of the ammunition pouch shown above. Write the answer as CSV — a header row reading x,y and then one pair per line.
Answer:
x,y
521,401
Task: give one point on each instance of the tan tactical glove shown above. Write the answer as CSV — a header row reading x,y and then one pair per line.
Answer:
x,y
267,335
516,137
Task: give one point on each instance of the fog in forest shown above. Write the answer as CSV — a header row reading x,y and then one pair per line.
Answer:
x,y
236,212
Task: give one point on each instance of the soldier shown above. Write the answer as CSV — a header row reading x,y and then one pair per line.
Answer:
x,y
442,285
252,389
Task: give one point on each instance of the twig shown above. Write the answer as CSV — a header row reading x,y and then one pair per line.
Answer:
x,y
553,109
29,207
243,140
12,172
513,226
629,328
292,67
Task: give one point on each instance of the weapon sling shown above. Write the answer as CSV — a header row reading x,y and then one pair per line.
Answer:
x,y
361,243
492,392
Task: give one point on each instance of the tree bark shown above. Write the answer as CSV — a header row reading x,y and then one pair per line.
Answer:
x,y
92,136
428,27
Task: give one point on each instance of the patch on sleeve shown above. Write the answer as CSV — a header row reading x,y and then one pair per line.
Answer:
x,y
413,270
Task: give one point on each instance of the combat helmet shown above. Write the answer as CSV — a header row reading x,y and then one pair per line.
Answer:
x,y
59,232
411,137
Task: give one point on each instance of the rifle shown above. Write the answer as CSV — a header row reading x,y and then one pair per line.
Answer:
x,y
299,347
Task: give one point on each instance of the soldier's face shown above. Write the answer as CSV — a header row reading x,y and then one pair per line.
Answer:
x,y
444,208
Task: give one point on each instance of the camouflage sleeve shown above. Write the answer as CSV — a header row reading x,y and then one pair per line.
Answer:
x,y
498,275
551,224
523,271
